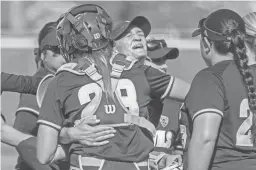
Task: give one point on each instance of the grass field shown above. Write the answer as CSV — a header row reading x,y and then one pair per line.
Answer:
x,y
22,62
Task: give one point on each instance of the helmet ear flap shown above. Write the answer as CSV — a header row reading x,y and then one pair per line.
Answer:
x,y
80,42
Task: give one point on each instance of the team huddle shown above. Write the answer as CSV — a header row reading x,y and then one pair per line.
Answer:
x,y
102,99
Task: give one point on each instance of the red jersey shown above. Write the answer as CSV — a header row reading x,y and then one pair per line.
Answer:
x,y
220,90
70,95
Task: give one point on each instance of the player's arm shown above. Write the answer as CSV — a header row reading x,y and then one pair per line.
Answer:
x,y
25,121
19,83
50,121
11,136
87,132
179,89
205,104
163,85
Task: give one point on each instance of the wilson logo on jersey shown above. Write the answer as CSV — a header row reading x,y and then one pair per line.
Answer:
x,y
110,109
164,120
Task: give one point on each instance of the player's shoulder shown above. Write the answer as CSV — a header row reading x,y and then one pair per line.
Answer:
x,y
223,67
215,73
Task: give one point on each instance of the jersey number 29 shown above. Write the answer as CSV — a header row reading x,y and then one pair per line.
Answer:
x,y
243,135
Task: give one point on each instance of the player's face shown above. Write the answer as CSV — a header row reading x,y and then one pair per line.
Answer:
x,y
133,43
54,60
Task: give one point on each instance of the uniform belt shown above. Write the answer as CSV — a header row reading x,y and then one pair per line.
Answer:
x,y
91,161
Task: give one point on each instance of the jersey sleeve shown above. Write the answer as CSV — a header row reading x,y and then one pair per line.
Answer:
x,y
19,83
50,112
206,95
25,121
160,83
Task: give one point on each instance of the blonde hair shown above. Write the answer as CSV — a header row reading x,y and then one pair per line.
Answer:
x,y
250,24
101,60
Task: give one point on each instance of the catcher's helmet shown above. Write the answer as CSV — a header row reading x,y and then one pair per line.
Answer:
x,y
85,28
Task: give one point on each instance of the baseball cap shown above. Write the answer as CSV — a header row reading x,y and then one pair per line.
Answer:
x,y
139,21
49,40
161,50
212,25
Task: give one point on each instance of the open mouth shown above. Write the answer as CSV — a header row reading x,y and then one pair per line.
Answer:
x,y
138,46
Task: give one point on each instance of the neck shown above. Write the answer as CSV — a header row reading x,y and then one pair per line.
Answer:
x,y
219,58
51,70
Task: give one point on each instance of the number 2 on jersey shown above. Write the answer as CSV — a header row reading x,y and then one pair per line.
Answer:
x,y
243,139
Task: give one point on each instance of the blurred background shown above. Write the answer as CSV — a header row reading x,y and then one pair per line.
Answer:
x,y
174,21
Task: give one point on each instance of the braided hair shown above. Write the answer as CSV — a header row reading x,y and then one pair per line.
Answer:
x,y
237,47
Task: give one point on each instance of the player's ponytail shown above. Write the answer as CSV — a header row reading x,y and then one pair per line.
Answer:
x,y
236,45
241,60
101,60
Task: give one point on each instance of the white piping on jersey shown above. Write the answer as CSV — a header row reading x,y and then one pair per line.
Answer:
x,y
169,87
209,110
49,124
37,92
28,109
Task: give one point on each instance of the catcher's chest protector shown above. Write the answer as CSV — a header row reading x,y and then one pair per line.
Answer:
x,y
121,112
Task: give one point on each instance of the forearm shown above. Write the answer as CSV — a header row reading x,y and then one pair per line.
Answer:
x,y
47,142
12,136
200,154
19,83
64,137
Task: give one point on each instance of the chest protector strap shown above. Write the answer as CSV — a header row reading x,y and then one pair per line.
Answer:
x,y
119,63
140,121
90,70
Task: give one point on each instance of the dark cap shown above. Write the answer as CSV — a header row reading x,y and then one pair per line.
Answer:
x,y
49,40
158,49
212,25
139,21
